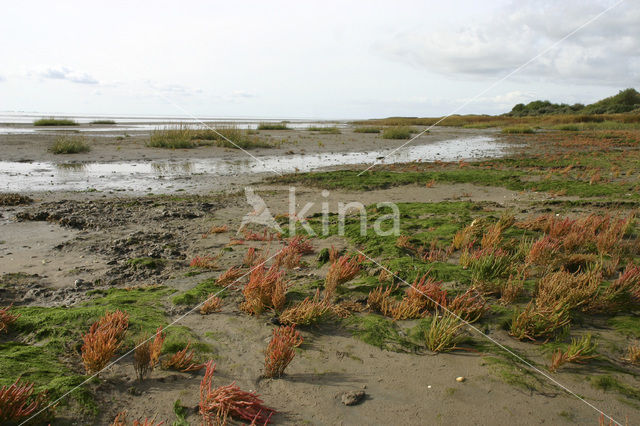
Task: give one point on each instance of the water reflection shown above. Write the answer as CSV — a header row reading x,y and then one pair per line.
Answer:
x,y
167,176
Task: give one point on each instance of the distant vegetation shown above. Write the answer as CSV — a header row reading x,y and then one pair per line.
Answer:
x,y
54,122
183,136
273,126
621,111
70,145
366,130
399,132
625,101
517,129
103,122
325,129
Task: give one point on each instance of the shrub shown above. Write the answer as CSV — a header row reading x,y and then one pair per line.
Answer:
x,y
443,333
172,137
536,322
281,350
308,312
6,319
469,305
399,132
70,145
142,358
366,130
288,257
517,129
341,270
633,354
333,130
18,402
146,355
103,339
183,361
217,404
211,305
579,351
273,126
54,122
230,276
205,262
266,289
250,257
567,290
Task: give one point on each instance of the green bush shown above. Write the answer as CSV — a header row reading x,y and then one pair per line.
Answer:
x,y
273,126
399,132
517,130
70,145
54,122
366,130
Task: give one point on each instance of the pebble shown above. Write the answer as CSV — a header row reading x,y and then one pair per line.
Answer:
x,y
460,379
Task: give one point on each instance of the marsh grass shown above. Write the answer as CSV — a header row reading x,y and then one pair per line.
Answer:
x,y
103,122
182,136
332,130
398,132
366,130
54,122
517,130
273,126
70,145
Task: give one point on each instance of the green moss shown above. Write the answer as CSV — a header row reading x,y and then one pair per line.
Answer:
x,y
514,374
198,293
376,330
514,180
626,324
49,337
146,262
609,383
44,367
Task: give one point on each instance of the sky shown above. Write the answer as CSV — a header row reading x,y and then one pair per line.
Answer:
x,y
312,59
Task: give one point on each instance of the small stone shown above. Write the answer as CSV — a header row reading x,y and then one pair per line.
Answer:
x,y
353,397
460,379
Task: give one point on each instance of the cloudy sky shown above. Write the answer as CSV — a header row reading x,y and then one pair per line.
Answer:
x,y
311,59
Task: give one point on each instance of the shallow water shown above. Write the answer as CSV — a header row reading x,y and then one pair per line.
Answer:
x,y
169,176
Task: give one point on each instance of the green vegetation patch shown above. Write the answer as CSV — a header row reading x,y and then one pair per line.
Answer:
x,y
70,145
273,126
397,132
54,122
199,293
330,130
366,129
146,262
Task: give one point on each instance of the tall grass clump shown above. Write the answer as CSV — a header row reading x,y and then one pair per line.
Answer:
x,y
173,137
332,130
70,145
273,126
281,350
18,401
366,130
54,122
103,122
218,404
397,132
103,340
517,130
183,136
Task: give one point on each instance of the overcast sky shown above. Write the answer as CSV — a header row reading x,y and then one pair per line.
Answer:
x,y
308,59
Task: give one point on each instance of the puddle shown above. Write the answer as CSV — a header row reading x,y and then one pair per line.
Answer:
x,y
169,176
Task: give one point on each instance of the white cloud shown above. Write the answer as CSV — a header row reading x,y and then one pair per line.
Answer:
x,y
64,73
606,51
